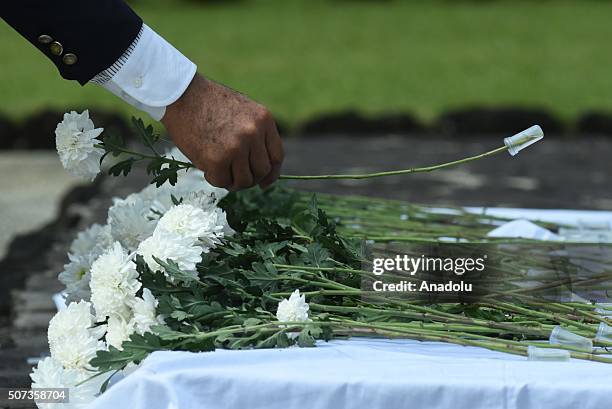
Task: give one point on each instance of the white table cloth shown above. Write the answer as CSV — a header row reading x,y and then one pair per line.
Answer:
x,y
368,373
360,373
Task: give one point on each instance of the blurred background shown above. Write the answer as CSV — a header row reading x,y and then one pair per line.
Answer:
x,y
361,85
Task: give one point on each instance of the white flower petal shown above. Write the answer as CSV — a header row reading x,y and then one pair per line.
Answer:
x,y
183,250
75,140
73,339
49,373
294,309
114,283
144,316
131,221
118,330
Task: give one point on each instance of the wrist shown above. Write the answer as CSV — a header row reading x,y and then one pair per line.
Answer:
x,y
187,101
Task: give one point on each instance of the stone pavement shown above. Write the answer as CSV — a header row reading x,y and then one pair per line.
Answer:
x,y
558,173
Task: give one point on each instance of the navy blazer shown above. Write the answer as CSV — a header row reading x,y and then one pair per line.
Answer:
x,y
81,37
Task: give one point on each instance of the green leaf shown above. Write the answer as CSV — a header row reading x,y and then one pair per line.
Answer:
x,y
113,144
104,385
134,350
317,255
180,315
251,321
167,334
124,167
308,335
173,270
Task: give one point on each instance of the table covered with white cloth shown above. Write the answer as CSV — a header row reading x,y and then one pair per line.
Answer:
x,y
370,373
360,373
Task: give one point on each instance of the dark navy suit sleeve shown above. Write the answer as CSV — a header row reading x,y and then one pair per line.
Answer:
x,y
81,37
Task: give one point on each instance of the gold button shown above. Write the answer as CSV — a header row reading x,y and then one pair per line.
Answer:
x,y
45,39
69,59
56,48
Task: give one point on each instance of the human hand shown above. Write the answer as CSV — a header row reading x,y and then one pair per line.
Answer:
x,y
231,138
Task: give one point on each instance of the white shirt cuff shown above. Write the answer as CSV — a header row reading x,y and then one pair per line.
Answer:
x,y
151,74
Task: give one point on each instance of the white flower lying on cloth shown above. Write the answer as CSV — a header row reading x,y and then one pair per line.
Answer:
x,y
294,309
76,140
49,373
73,338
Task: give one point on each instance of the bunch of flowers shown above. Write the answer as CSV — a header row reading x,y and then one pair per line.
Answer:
x,y
182,265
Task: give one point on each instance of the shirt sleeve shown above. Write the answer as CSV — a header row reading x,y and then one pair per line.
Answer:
x,y
150,75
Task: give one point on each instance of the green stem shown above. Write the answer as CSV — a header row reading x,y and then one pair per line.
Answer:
x,y
399,172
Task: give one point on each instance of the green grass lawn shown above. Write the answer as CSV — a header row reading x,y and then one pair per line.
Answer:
x,y
306,57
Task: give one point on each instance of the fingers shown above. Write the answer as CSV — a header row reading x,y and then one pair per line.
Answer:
x,y
259,160
250,154
241,173
274,146
219,175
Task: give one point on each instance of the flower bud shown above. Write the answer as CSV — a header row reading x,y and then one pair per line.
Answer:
x,y
547,354
523,139
561,336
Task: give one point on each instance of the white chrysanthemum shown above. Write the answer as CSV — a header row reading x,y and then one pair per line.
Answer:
x,y
294,309
94,240
75,140
73,339
76,349
49,373
114,282
183,250
131,221
76,277
189,221
144,312
185,220
84,250
118,330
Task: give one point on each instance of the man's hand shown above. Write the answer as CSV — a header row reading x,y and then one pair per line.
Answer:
x,y
232,139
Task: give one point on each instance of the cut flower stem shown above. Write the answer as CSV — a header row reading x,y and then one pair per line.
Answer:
x,y
398,172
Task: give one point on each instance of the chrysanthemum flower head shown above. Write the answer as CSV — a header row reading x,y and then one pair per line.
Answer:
x,y
114,282
49,373
73,337
131,221
75,140
183,250
294,309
